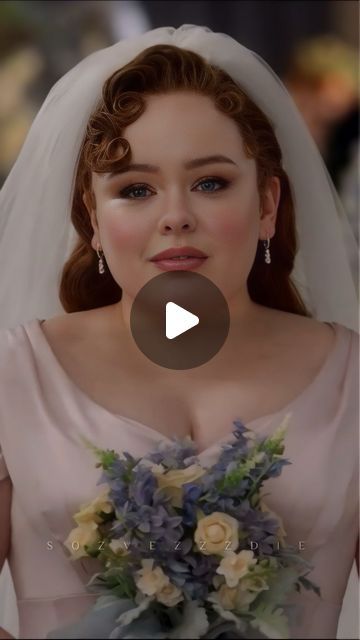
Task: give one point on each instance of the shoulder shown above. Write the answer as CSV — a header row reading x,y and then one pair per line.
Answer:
x,y
303,334
71,330
318,344
305,346
72,324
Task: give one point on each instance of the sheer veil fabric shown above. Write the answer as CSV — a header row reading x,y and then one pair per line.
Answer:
x,y
36,235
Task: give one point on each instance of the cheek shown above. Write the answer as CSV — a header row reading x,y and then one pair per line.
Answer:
x,y
235,229
124,234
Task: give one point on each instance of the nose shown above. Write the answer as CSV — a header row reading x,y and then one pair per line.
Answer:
x,y
177,219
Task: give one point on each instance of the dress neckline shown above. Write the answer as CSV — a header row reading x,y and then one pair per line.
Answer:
x,y
34,330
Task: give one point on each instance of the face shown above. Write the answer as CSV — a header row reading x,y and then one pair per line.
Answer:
x,y
212,205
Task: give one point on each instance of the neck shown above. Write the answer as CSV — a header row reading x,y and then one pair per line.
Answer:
x,y
247,322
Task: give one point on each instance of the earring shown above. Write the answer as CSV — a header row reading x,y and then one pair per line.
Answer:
x,y
101,261
267,251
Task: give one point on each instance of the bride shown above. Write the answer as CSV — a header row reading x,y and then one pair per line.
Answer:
x,y
184,139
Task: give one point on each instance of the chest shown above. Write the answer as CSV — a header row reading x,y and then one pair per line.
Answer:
x,y
203,407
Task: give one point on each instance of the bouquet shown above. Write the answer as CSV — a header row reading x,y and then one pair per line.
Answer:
x,y
188,551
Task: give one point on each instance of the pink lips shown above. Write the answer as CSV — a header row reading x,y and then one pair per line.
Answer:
x,y
174,252
179,258
183,264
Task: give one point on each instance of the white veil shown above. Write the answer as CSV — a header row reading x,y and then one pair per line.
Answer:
x,y
36,235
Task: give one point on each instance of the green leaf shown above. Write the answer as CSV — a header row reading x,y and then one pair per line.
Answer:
x,y
92,551
309,585
281,584
106,456
271,622
119,582
274,445
236,476
123,590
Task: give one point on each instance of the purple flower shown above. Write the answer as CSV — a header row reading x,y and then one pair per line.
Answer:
x,y
143,486
276,468
191,495
193,573
178,455
156,524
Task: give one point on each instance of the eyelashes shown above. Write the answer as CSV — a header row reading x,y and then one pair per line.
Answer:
x,y
127,192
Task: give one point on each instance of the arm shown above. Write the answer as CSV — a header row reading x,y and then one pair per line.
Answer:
x,y
5,507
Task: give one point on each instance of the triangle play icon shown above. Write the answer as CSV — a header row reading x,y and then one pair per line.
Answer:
x,y
178,320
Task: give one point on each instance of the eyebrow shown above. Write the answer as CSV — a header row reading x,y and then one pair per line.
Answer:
x,y
190,164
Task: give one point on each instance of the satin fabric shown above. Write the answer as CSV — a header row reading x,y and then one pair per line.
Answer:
x,y
42,416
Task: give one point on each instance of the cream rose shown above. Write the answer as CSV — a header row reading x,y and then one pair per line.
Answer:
x,y
235,565
86,534
253,583
120,546
233,599
169,595
226,597
88,511
173,481
217,533
150,581
243,599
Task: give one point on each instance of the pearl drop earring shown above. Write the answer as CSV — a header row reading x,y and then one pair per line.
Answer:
x,y
101,261
267,251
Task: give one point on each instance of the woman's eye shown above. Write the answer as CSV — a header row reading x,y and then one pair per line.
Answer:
x,y
135,192
210,182
138,191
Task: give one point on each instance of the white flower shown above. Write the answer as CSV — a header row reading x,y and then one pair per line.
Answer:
x,y
216,533
169,595
172,481
156,469
235,565
232,598
120,546
244,599
150,581
86,534
88,511
226,597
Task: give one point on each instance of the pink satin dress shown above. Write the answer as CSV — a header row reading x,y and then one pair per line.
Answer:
x,y
42,416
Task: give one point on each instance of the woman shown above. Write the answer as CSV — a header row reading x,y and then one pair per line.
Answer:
x,y
290,347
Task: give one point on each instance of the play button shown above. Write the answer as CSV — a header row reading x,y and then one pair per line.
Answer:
x,y
179,320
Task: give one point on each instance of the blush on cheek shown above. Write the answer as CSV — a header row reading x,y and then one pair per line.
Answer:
x,y
122,235
234,230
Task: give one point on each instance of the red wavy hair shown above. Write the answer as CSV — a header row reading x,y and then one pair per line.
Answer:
x,y
157,70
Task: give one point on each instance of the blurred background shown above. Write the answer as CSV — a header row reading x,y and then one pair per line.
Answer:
x,y
313,46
